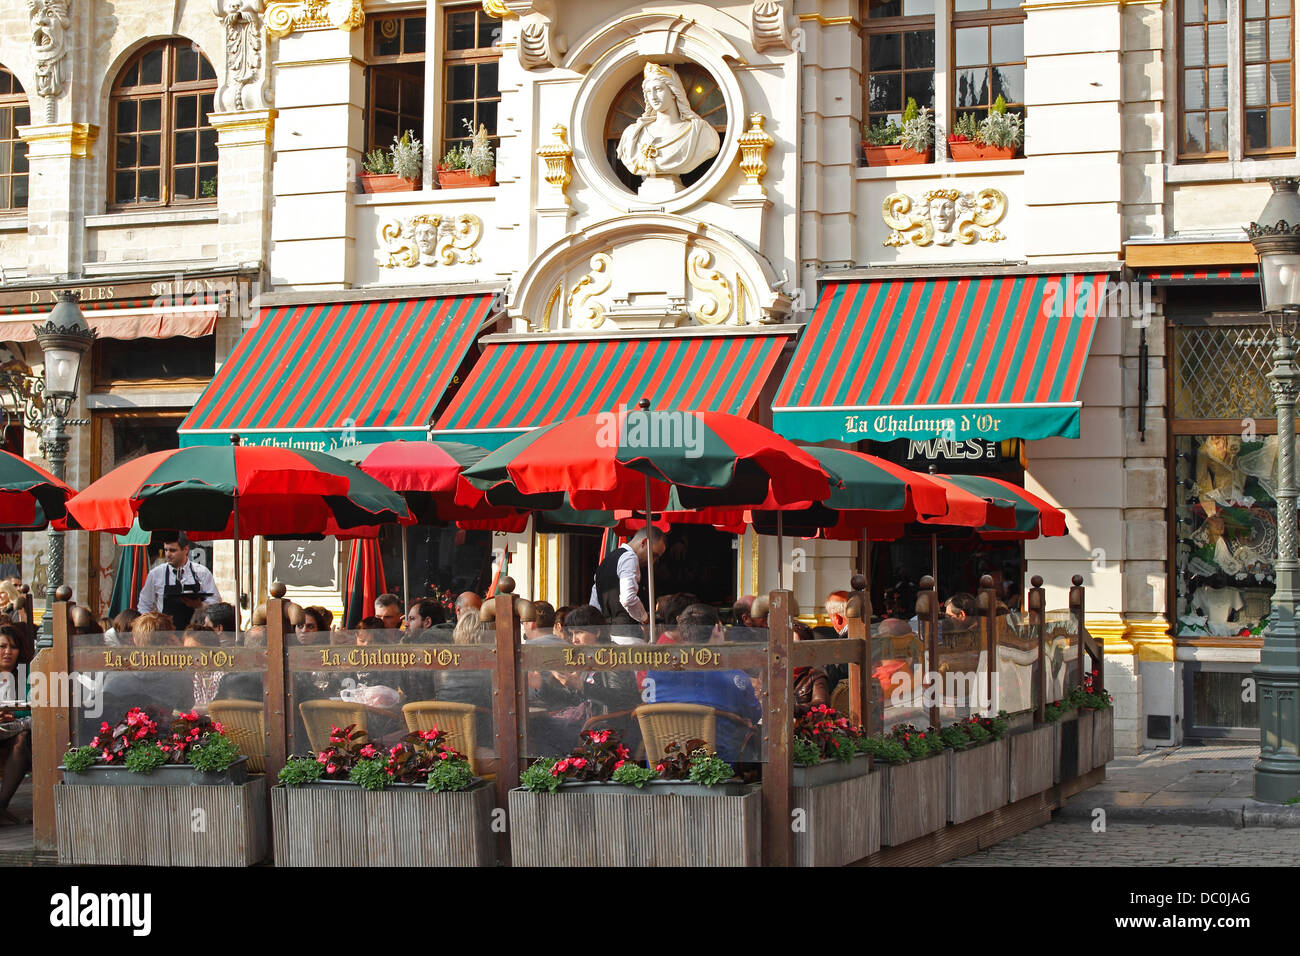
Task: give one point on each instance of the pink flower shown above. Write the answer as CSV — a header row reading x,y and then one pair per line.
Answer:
x,y
619,763
368,750
321,758
580,762
331,768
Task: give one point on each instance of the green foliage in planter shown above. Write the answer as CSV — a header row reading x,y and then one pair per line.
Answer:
x,y
378,161
214,753
145,758
450,774
370,774
1057,709
710,770
976,732
477,155
1000,128
967,127
806,753
918,128
919,743
954,737
538,777
1089,697
633,775
80,759
300,770
208,188
884,133
407,156
885,749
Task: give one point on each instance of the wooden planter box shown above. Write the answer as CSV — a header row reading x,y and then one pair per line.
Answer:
x,y
160,825
1074,746
464,179
387,183
895,156
1032,761
977,780
913,800
168,775
963,151
841,812
1103,737
341,824
612,825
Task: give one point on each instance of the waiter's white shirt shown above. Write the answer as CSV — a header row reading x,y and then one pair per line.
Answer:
x,y
151,595
629,579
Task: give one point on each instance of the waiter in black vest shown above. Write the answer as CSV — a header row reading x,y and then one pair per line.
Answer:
x,y
619,592
178,587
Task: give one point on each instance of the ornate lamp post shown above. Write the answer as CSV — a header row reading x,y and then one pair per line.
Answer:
x,y
64,339
1276,238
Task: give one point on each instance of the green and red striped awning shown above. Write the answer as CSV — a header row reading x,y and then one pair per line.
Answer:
x,y
517,386
323,376
1235,275
991,357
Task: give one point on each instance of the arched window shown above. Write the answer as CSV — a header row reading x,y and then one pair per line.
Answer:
x,y
14,112
164,147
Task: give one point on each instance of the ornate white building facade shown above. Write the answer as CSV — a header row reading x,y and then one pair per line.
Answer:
x,y
936,310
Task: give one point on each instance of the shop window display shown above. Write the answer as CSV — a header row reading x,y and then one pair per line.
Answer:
x,y
1226,532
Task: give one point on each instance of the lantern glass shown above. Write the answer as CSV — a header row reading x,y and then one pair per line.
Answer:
x,y
62,368
1280,280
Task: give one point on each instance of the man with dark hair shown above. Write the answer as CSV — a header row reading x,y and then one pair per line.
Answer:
x,y
617,591
542,626
424,614
388,608
221,618
731,691
178,587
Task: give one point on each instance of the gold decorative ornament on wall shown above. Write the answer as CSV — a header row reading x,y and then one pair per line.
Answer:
x,y
286,16
716,309
428,239
558,156
944,216
583,310
495,8
754,144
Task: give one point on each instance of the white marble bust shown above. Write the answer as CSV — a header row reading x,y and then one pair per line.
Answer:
x,y
669,138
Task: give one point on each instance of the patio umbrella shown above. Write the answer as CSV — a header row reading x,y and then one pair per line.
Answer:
x,y
634,459
238,492
425,473
132,568
30,497
365,580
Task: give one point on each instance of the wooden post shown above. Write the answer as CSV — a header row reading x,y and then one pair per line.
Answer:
x,y
1086,643
778,774
507,714
987,602
277,688
51,732
859,616
927,614
1037,620
29,621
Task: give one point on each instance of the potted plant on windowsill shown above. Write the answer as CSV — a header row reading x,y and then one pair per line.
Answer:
x,y
470,164
998,136
889,144
396,169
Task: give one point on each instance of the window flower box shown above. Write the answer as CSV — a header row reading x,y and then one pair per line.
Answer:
x,y
338,823
666,823
895,156
386,183
463,178
965,150
168,775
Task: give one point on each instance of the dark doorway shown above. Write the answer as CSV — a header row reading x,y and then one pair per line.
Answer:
x,y
702,560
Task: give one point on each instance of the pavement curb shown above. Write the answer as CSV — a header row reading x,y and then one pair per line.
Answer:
x,y
1248,815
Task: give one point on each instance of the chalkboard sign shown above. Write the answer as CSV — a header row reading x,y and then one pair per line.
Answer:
x,y
304,564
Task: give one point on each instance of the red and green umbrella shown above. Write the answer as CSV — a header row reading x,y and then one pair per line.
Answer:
x,y
616,460
365,581
30,497
132,569
208,491
1032,516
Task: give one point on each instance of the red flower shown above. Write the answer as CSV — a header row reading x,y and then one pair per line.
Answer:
x,y
619,763
331,768
659,767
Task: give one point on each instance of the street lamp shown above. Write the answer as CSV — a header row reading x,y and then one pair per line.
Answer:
x,y
64,339
1276,238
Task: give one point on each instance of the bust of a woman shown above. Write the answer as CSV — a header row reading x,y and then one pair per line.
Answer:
x,y
669,138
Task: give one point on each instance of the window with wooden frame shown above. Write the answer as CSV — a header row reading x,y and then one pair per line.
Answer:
x,y
394,77
470,58
988,56
164,147
14,112
1215,75
900,39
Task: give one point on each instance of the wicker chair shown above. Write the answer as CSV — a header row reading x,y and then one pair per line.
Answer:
x,y
662,724
840,698
457,720
321,716
245,724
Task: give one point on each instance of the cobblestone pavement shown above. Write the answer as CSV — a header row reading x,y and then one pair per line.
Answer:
x,y
1069,843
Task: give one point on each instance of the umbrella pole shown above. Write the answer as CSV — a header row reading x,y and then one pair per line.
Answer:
x,y
406,573
650,560
934,561
237,574
780,553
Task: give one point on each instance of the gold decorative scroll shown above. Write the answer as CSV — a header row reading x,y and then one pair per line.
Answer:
x,y
285,16
717,308
943,217
428,239
582,307
495,8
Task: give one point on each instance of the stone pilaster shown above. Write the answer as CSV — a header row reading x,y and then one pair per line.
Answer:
x,y
61,157
244,182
